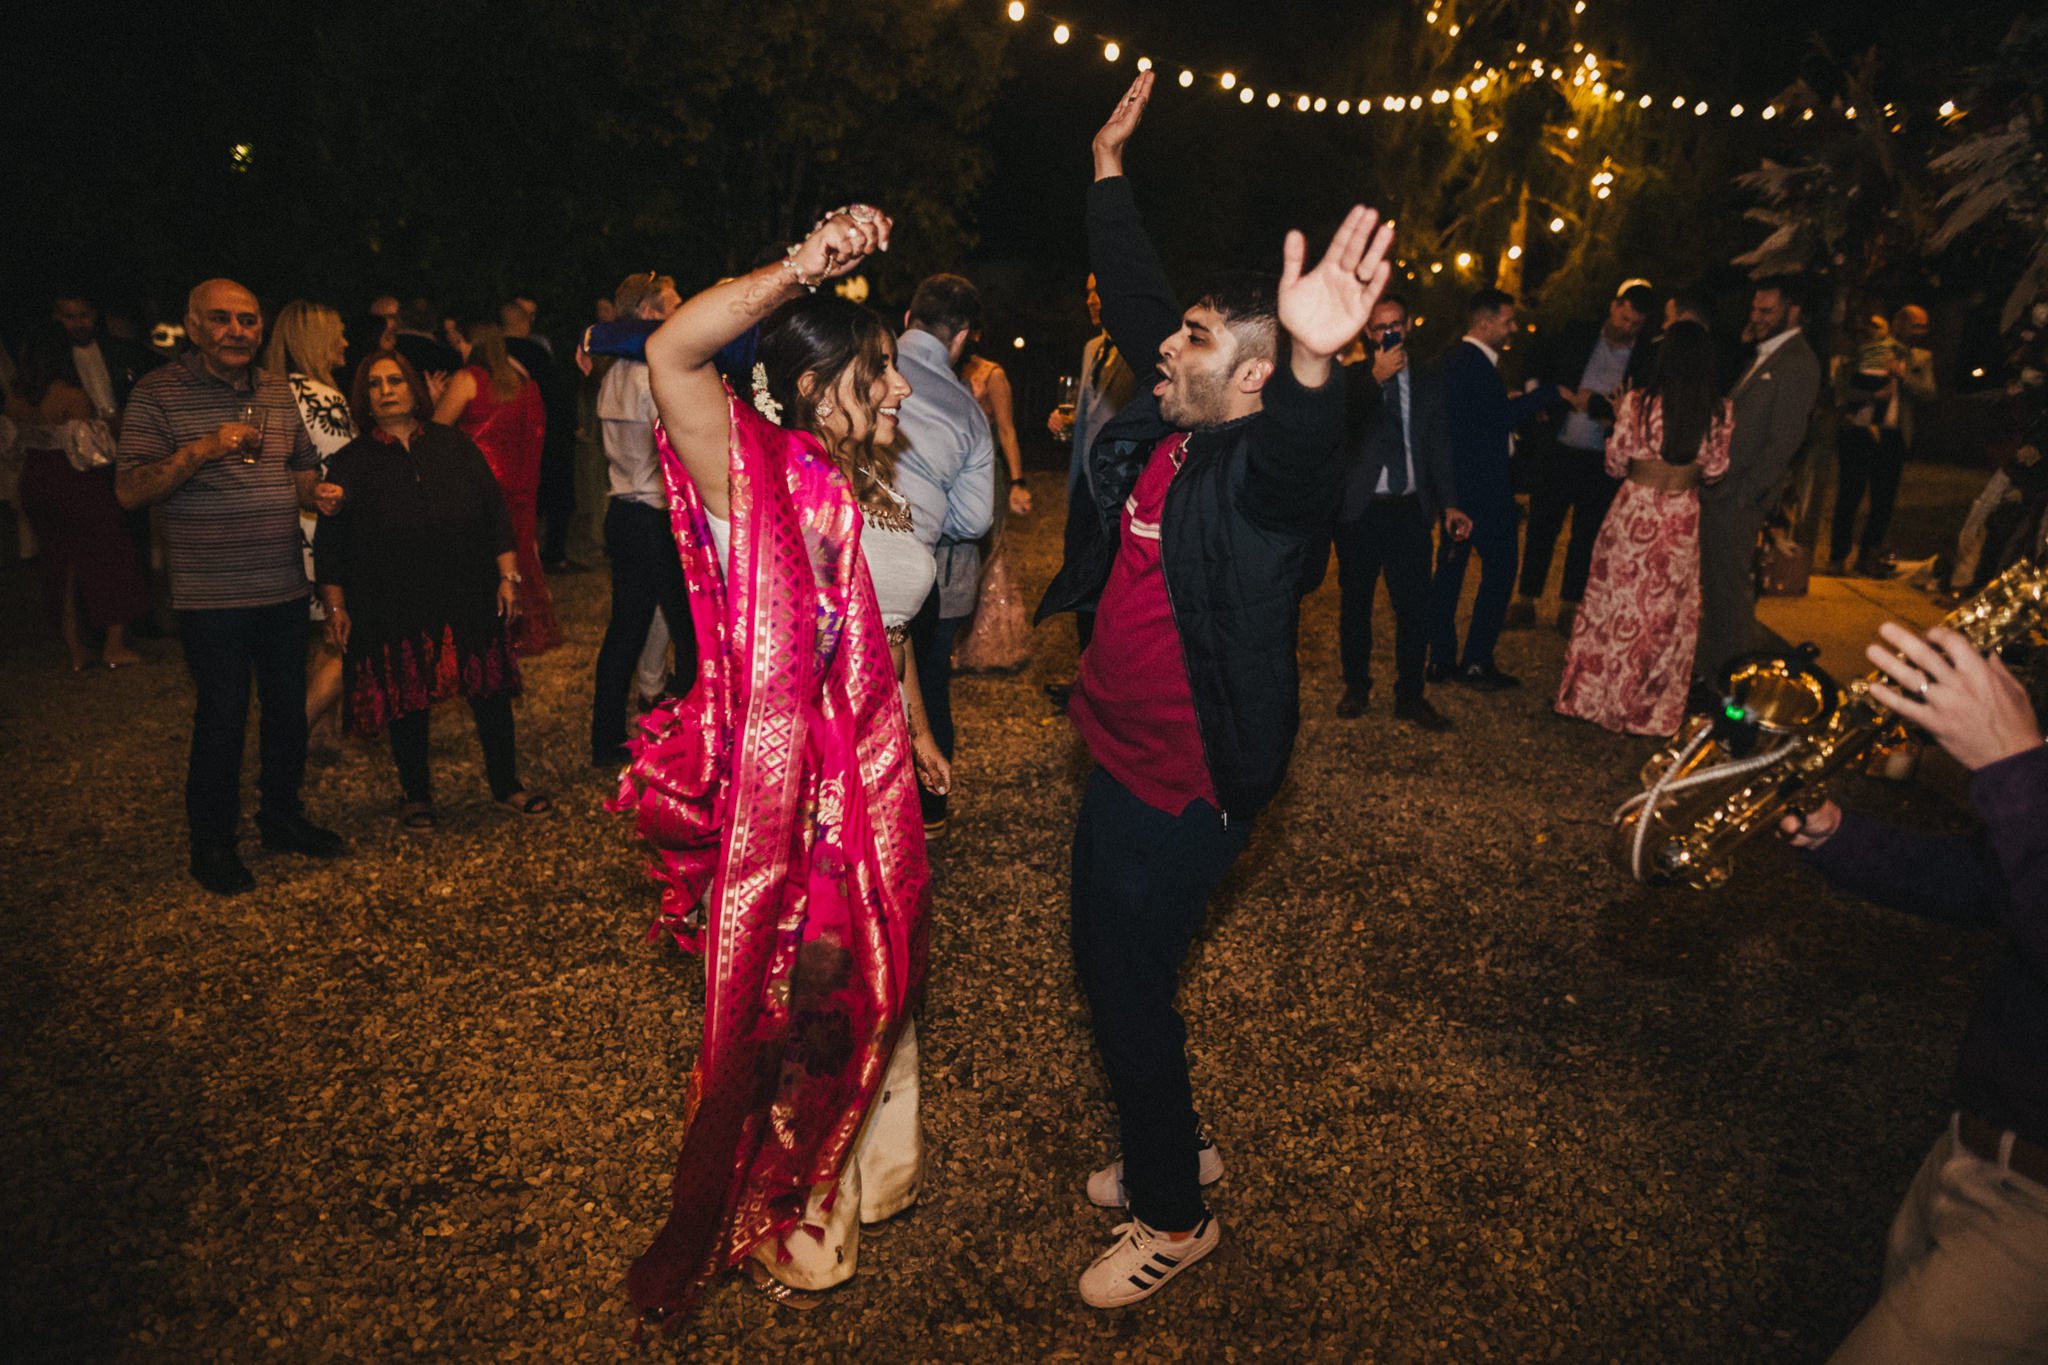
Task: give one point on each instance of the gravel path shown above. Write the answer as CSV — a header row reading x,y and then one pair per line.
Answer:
x,y
1481,1099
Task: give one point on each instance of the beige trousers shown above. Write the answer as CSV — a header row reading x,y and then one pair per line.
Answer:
x,y
1965,1268
880,1181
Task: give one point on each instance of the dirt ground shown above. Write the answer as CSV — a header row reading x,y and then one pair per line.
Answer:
x,y
1480,1097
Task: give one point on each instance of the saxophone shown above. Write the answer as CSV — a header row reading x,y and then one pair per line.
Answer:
x,y
1785,731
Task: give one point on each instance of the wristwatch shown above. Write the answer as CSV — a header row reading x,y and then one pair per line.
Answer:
x,y
1017,483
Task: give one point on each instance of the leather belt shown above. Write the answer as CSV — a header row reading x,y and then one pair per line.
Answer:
x,y
1984,1139
1665,478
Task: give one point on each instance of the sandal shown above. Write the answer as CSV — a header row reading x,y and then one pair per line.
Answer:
x,y
418,817
532,805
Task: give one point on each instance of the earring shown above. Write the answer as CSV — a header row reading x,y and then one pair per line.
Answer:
x,y
825,408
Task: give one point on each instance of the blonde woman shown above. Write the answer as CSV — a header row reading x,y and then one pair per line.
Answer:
x,y
307,346
496,403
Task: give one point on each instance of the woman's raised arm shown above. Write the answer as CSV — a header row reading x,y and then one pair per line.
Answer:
x,y
687,392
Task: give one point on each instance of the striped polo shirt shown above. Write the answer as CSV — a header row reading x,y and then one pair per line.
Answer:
x,y
232,529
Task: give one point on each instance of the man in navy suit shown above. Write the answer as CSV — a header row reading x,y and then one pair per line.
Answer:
x,y
1480,417
1397,486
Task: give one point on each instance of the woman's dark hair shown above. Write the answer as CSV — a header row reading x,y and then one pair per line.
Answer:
x,y
47,359
826,336
1683,377
359,391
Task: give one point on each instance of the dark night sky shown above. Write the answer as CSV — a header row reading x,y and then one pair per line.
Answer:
x,y
1222,181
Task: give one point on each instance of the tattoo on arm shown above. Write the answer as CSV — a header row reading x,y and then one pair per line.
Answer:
x,y
145,485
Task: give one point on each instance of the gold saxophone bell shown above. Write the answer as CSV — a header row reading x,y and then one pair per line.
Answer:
x,y
1785,731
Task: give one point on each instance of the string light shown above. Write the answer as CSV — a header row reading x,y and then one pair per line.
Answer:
x,y
1454,30
1644,101
1227,80
1571,135
1557,225
1734,111
1144,63
1948,108
1678,101
1273,100
1343,106
1850,112
1110,52
1514,253
1016,11
1302,104
1492,135
1061,33
1460,93
1770,112
1244,96
1187,78
1700,109
1436,267
1464,260
1321,104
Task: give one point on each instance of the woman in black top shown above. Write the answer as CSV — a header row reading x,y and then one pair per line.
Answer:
x,y
415,562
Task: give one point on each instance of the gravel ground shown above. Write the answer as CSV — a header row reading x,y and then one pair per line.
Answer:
x,y
1481,1099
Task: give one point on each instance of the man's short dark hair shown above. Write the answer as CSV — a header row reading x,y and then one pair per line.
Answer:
x,y
419,315
946,306
1790,287
1488,302
1640,297
1249,301
1692,303
1399,300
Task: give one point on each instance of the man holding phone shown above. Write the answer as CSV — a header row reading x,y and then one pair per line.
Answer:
x,y
1398,485
219,443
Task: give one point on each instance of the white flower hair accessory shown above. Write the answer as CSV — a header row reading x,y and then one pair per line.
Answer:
x,y
764,403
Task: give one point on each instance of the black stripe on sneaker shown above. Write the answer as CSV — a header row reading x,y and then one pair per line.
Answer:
x,y
1154,1271
1163,1259
1142,1286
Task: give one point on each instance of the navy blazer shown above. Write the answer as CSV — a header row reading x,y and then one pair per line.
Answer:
x,y
1479,416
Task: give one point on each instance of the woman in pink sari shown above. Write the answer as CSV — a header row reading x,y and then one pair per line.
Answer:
x,y
780,794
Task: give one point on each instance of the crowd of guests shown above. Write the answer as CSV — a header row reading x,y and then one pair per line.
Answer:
x,y
804,539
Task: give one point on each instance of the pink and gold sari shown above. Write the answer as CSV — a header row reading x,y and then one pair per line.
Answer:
x,y
779,793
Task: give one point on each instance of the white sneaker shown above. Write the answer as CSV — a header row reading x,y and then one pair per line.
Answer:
x,y
1140,1260
1106,1186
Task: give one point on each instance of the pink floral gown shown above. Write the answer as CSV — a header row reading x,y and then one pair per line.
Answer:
x,y
1629,664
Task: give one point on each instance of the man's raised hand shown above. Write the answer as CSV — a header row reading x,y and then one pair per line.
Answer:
x,y
1324,308
1123,121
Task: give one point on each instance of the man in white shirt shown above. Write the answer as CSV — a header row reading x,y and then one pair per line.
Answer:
x,y
647,574
946,470
1773,402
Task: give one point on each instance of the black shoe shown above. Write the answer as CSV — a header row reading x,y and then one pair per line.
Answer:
x,y
1418,711
1487,678
1567,614
297,834
220,871
1353,703
1057,694
615,757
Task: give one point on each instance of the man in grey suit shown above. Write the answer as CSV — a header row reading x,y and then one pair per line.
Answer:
x,y
1773,402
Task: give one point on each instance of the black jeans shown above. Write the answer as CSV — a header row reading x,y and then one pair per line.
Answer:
x,y
555,498
223,646
647,575
1569,482
1392,537
931,647
494,731
1493,540
1865,461
1142,881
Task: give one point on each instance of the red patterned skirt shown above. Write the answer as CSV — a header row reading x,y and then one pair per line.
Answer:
x,y
397,677
1629,665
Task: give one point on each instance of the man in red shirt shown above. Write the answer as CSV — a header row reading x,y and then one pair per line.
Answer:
x,y
1209,496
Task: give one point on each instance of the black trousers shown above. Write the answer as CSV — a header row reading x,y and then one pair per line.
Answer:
x,y
223,647
931,648
1570,483
555,498
647,576
1391,538
1863,461
1142,881
494,730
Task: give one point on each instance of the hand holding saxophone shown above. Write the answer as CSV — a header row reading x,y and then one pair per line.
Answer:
x,y
1970,703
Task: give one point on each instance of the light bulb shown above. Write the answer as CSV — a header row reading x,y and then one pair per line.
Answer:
x,y
1244,96
1062,33
1492,136
1227,80
1144,63
1700,109
1302,104
1464,260
1734,111
1016,11
1322,104
1273,100
1110,52
1948,108
1187,79
1343,106
1514,253
1770,112
1644,101
1557,225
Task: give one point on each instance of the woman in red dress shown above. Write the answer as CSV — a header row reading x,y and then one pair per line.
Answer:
x,y
1629,665
496,404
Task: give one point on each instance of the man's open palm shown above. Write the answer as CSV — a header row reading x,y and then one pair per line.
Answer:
x,y
1325,308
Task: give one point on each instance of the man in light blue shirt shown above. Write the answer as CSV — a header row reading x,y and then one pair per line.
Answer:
x,y
946,470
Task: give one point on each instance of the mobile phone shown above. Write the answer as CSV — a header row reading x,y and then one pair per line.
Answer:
x,y
1390,338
